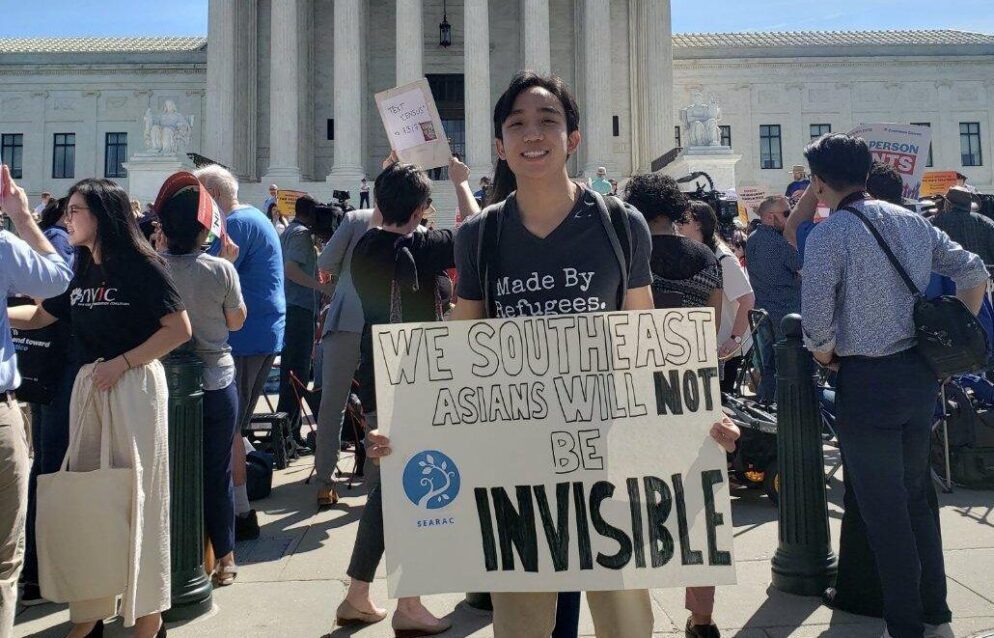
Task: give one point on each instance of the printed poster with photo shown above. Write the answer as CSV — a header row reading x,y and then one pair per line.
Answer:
x,y
554,453
413,125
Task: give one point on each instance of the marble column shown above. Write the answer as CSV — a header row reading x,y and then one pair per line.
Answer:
x,y
596,110
537,56
284,127
479,126
410,41
655,80
219,138
347,169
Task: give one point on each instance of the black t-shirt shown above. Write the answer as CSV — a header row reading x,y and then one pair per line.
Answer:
x,y
573,270
378,259
116,307
684,272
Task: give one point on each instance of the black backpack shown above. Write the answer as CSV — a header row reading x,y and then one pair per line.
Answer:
x,y
614,217
949,336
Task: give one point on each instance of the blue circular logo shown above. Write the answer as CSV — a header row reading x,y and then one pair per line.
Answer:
x,y
431,480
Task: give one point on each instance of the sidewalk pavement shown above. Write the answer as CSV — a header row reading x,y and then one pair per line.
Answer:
x,y
293,577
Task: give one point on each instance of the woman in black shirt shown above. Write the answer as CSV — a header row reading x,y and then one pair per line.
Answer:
x,y
125,314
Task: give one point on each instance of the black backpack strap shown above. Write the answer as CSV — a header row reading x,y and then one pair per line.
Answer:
x,y
887,251
614,216
488,243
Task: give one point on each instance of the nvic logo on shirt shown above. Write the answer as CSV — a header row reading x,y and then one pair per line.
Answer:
x,y
91,297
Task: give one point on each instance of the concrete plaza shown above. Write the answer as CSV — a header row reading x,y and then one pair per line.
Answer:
x,y
293,577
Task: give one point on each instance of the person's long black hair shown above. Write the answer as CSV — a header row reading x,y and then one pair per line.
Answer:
x,y
118,234
705,216
53,213
504,182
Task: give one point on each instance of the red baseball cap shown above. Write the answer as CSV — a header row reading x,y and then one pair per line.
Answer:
x,y
208,214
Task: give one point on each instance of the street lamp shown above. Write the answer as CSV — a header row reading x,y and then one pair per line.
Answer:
x,y
444,29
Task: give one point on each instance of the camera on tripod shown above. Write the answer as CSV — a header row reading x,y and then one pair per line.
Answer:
x,y
727,210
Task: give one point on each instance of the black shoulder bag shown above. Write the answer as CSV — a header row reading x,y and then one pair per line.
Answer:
x,y
949,335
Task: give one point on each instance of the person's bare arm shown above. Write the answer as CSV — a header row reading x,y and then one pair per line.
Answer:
x,y
235,319
639,299
468,309
459,175
805,211
972,297
297,275
29,318
174,330
14,203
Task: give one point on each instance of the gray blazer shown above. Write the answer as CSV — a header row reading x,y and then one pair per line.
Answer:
x,y
345,313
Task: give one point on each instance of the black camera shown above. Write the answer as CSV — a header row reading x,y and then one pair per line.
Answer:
x,y
726,210
341,196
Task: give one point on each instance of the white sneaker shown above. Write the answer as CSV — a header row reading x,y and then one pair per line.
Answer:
x,y
945,630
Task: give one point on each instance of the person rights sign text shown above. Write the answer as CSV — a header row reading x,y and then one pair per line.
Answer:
x,y
553,453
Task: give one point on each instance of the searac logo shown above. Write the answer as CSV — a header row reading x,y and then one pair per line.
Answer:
x,y
431,480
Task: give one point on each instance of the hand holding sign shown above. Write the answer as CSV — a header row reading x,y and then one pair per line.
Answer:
x,y
413,125
554,453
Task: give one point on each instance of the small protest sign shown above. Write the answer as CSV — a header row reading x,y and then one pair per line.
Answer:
x,y
903,146
553,453
286,202
750,197
937,183
413,125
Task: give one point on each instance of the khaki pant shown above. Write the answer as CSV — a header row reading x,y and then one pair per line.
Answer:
x,y
617,614
137,409
15,466
341,358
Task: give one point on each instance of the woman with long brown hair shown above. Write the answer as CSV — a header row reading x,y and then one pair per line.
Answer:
x,y
126,314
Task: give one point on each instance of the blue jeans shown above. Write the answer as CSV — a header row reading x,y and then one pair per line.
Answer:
x,y
884,419
50,441
220,424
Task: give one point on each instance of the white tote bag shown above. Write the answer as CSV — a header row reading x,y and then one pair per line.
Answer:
x,y
83,528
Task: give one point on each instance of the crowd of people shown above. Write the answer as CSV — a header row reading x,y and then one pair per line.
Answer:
x,y
115,295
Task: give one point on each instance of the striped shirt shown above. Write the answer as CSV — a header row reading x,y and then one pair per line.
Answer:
x,y
853,301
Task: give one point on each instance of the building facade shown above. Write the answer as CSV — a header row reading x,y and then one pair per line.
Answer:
x,y
283,91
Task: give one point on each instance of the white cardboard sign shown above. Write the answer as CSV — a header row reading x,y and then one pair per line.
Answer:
x,y
553,453
413,125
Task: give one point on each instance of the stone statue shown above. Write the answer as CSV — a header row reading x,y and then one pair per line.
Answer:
x,y
701,121
169,132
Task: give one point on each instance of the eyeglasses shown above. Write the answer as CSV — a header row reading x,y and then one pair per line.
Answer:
x,y
75,209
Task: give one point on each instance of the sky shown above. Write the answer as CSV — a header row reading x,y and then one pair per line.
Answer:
x,y
24,18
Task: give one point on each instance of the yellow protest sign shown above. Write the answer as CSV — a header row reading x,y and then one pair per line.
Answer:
x,y
286,202
937,183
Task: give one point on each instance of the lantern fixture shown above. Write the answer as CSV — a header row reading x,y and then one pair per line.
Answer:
x,y
444,29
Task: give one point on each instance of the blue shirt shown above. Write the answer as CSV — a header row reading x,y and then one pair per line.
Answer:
x,y
59,238
24,272
260,271
798,185
853,300
773,267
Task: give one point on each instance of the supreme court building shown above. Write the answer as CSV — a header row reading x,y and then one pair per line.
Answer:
x,y
282,90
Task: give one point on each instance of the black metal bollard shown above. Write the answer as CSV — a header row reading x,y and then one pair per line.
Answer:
x,y
804,563
480,601
191,589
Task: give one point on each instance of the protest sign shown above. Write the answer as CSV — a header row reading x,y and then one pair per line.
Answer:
x,y
750,197
553,453
286,202
904,146
413,125
937,183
